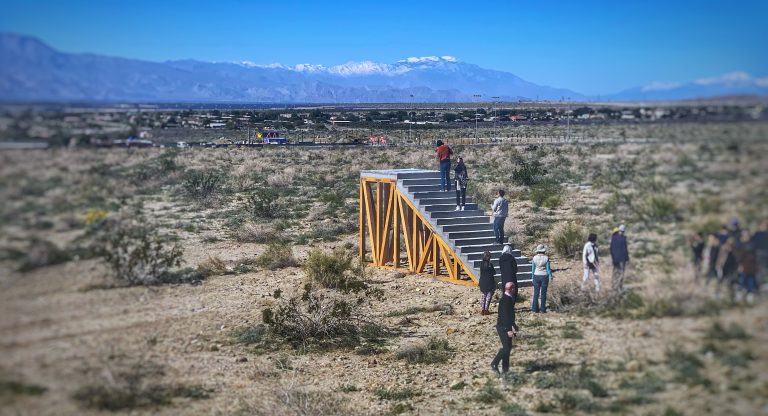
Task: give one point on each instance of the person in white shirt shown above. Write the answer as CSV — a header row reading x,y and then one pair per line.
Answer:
x,y
591,262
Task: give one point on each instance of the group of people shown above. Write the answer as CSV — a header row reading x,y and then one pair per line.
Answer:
x,y
734,257
619,251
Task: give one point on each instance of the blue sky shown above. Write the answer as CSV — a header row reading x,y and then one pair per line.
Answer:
x,y
593,47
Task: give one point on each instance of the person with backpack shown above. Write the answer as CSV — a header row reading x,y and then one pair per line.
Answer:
x,y
460,174
444,156
542,275
591,262
500,209
620,257
487,283
506,328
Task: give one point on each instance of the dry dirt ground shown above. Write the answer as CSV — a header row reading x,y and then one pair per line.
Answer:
x,y
62,326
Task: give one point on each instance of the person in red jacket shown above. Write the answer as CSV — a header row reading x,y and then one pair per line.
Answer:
x,y
444,156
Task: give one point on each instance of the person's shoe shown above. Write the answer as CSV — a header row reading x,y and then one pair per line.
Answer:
x,y
462,207
495,368
458,208
750,298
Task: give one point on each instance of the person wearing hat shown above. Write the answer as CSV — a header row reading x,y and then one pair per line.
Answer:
x,y
620,257
542,275
508,267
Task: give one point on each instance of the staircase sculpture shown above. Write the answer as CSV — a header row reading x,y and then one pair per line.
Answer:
x,y
408,224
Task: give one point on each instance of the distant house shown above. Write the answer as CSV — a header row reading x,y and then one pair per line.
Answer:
x,y
217,125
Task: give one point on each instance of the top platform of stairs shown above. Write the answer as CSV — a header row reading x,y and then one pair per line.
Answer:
x,y
399,173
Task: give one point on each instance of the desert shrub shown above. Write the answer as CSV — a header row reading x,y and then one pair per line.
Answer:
x,y
568,238
648,383
336,270
255,233
569,402
513,409
10,387
277,256
132,386
527,172
721,332
489,394
137,253
262,203
445,308
213,266
687,366
395,394
658,208
42,253
571,331
546,193
434,351
296,401
201,185
321,320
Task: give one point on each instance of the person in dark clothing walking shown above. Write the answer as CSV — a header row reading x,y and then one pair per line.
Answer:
x,y
460,173
696,243
620,257
712,253
760,243
506,328
444,156
487,283
508,267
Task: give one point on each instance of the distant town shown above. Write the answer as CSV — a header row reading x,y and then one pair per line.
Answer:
x,y
185,125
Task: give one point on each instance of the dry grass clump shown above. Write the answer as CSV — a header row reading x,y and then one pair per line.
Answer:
x,y
432,352
42,253
255,233
213,266
277,256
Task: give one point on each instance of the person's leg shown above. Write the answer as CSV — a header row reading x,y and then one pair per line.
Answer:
x,y
506,349
444,175
498,224
501,229
463,197
622,272
499,355
447,164
596,276
544,286
536,290
458,199
615,277
584,278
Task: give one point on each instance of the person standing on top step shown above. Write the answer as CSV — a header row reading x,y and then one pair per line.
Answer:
x,y
508,267
487,283
591,262
542,275
460,173
506,328
500,210
620,257
444,156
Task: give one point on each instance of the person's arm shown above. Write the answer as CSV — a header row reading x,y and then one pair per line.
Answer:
x,y
495,205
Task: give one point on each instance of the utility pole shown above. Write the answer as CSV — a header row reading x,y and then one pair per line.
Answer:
x,y
477,99
568,121
410,122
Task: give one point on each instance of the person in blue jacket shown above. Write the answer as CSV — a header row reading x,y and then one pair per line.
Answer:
x,y
620,257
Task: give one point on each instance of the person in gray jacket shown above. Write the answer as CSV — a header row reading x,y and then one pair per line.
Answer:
x,y
500,209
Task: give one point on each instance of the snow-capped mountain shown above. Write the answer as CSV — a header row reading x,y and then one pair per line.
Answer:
x,y
33,71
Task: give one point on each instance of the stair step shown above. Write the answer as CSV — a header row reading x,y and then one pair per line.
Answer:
x,y
447,207
474,241
457,214
448,200
494,254
419,195
419,175
480,248
469,234
520,261
468,227
427,181
425,188
464,220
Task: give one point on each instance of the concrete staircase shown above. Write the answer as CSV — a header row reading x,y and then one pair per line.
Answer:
x,y
469,233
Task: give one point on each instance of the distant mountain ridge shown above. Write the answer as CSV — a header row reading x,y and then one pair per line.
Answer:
x,y
33,71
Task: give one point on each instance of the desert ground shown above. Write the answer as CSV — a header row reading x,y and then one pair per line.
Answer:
x,y
157,281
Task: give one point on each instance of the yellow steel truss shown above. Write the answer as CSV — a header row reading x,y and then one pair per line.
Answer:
x,y
390,221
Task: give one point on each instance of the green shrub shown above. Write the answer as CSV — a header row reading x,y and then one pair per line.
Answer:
x,y
395,394
262,204
335,270
720,332
277,256
513,409
658,208
137,253
201,186
11,388
546,193
686,365
434,351
527,173
568,239
571,331
489,394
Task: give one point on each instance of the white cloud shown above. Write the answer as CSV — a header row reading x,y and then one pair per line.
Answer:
x,y
736,76
422,59
661,86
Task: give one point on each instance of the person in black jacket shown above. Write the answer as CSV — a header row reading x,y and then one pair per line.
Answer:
x,y
506,328
508,267
487,283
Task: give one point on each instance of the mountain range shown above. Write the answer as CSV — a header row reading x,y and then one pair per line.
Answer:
x,y
33,71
